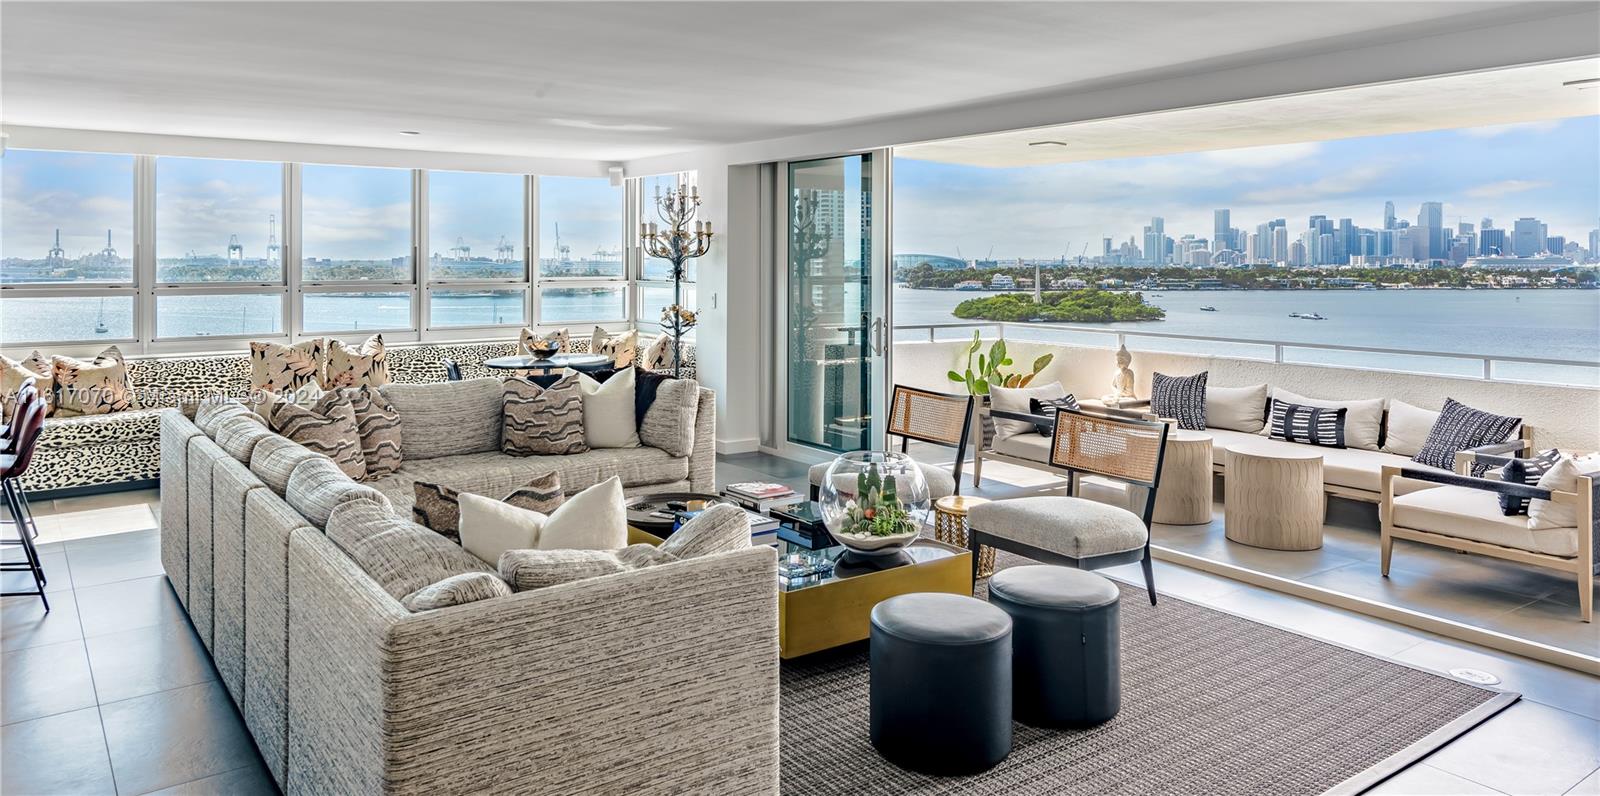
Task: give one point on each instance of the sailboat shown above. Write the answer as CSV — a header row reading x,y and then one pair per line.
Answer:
x,y
100,324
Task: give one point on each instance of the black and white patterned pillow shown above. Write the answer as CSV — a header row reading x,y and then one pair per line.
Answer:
x,y
1311,425
1460,427
1048,407
1181,398
1525,471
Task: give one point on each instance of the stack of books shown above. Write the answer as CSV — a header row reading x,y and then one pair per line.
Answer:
x,y
763,529
761,497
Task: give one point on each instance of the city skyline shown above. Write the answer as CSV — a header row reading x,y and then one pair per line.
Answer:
x,y
1548,170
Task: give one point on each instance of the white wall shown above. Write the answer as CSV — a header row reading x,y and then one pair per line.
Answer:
x,y
1561,417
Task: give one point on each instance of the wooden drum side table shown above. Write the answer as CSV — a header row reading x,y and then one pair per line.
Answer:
x,y
1274,496
950,527
1184,496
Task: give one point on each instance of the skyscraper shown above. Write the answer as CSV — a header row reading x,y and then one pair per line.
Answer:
x,y
1431,243
1155,241
1280,244
1388,215
1491,241
1221,230
1527,237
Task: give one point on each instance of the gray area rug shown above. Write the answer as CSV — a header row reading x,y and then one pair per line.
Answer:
x,y
1211,704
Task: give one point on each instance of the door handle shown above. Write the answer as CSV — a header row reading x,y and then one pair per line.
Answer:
x,y
877,336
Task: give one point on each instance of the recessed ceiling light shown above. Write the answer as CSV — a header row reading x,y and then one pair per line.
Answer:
x,y
1582,82
1047,143
409,132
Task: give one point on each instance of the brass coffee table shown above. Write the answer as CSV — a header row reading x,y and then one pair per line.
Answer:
x,y
834,607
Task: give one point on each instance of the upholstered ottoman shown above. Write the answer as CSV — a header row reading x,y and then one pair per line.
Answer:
x,y
941,683
1066,662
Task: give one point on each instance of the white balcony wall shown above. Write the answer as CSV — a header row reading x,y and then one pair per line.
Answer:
x,y
1561,417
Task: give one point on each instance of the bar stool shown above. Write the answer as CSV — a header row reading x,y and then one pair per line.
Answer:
x,y
27,422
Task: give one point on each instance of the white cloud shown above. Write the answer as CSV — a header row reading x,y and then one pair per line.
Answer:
x,y
1496,189
1496,130
1344,182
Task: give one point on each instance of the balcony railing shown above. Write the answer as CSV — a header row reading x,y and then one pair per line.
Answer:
x,y
1488,367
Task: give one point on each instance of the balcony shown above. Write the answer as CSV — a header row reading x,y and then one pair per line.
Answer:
x,y
1500,604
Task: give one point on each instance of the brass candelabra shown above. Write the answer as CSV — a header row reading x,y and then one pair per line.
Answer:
x,y
677,244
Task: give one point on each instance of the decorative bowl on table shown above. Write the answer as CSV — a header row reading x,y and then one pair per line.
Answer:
x,y
874,502
544,349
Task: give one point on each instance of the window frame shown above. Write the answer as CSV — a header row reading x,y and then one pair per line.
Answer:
x,y
145,290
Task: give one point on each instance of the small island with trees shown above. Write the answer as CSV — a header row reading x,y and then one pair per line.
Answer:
x,y
1069,306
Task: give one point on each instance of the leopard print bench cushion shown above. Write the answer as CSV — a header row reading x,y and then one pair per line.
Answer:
x,y
83,430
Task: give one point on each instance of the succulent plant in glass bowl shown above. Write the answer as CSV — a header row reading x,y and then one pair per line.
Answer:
x,y
873,502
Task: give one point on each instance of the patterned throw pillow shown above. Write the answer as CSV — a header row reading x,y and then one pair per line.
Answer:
x,y
439,507
1311,425
543,420
1182,398
623,348
327,427
1525,471
659,355
349,366
13,374
279,368
92,388
559,338
378,424
1048,408
1460,427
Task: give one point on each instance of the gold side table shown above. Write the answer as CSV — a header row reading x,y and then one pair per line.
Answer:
x,y
950,527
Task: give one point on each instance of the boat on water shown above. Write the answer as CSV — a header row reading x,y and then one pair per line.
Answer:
x,y
1308,316
100,323
1208,308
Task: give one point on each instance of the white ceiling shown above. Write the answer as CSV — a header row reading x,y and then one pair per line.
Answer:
x,y
623,80
1507,96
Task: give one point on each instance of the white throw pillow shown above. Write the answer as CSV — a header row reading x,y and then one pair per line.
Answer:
x,y
1362,423
594,519
1546,514
490,527
1407,428
1237,408
1015,399
608,416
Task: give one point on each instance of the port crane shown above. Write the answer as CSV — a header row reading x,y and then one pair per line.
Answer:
x,y
504,251
461,251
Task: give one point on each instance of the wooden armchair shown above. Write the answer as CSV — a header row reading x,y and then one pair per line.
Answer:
x,y
1463,513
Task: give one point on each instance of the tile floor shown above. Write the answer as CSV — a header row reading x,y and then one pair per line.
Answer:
x,y
111,692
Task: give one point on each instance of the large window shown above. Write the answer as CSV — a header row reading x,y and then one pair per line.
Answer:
x,y
476,226
173,254
218,221
355,224
580,228
68,217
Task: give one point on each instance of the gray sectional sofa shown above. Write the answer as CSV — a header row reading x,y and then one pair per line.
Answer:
x,y
651,681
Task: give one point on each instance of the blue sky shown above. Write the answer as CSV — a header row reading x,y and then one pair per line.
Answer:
x,y
1550,170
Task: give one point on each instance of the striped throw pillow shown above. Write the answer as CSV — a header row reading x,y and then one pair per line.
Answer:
x,y
1459,428
1180,398
1048,407
1311,425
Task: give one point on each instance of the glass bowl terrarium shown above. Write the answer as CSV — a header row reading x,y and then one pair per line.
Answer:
x,y
874,502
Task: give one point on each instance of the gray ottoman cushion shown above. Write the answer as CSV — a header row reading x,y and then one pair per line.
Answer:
x,y
1066,655
941,683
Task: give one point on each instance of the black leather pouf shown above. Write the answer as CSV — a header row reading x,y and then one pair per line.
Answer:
x,y
941,683
1066,639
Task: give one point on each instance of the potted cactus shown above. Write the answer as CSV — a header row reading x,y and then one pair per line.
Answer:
x,y
988,374
872,501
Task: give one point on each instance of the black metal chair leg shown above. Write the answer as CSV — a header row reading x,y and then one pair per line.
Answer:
x,y
23,525
1149,576
32,527
14,505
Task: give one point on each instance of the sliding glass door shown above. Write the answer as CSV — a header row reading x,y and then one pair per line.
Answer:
x,y
837,302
